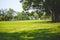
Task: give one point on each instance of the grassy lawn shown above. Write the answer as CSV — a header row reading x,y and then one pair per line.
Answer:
x,y
29,30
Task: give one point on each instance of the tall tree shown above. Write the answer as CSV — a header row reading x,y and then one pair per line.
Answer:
x,y
51,6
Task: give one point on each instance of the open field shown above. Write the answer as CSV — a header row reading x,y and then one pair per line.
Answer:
x,y
29,30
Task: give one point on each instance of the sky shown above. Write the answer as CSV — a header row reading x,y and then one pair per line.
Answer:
x,y
14,4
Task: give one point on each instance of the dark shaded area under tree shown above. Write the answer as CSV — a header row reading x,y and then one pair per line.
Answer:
x,y
40,34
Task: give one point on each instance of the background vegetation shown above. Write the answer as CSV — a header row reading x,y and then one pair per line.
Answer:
x,y
10,15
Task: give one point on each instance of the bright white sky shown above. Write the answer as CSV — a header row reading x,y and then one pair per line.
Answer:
x,y
14,4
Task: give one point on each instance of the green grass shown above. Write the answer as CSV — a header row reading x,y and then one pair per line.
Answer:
x,y
15,26
29,30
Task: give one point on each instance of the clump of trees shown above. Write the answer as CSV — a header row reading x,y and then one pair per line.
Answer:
x,y
52,7
6,15
10,15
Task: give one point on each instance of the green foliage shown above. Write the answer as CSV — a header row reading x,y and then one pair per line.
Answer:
x,y
20,16
10,14
39,14
36,16
27,4
37,5
51,7
6,15
2,14
29,14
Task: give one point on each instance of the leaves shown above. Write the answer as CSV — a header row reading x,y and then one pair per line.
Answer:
x,y
28,4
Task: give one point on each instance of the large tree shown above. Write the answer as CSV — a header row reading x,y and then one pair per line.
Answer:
x,y
51,6
54,8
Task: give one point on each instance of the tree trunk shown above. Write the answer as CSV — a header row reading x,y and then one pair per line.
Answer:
x,y
56,16
55,12
54,8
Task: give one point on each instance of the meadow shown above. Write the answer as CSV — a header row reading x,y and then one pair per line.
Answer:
x,y
29,30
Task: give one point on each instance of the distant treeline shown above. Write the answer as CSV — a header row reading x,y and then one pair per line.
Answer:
x,y
9,15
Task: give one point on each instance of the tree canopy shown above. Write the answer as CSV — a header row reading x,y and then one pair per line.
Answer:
x,y
51,7
31,4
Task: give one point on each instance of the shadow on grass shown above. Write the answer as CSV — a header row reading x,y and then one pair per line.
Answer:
x,y
40,34
46,22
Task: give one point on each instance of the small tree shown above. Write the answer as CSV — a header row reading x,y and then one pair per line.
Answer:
x,y
9,14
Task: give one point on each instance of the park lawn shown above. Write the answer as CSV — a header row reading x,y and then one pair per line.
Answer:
x,y
16,26
29,30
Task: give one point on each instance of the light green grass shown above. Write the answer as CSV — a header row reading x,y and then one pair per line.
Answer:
x,y
29,30
16,26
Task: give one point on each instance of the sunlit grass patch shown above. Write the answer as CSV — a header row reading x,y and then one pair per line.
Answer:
x,y
29,30
15,26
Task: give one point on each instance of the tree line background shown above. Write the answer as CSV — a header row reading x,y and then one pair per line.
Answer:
x,y
11,14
